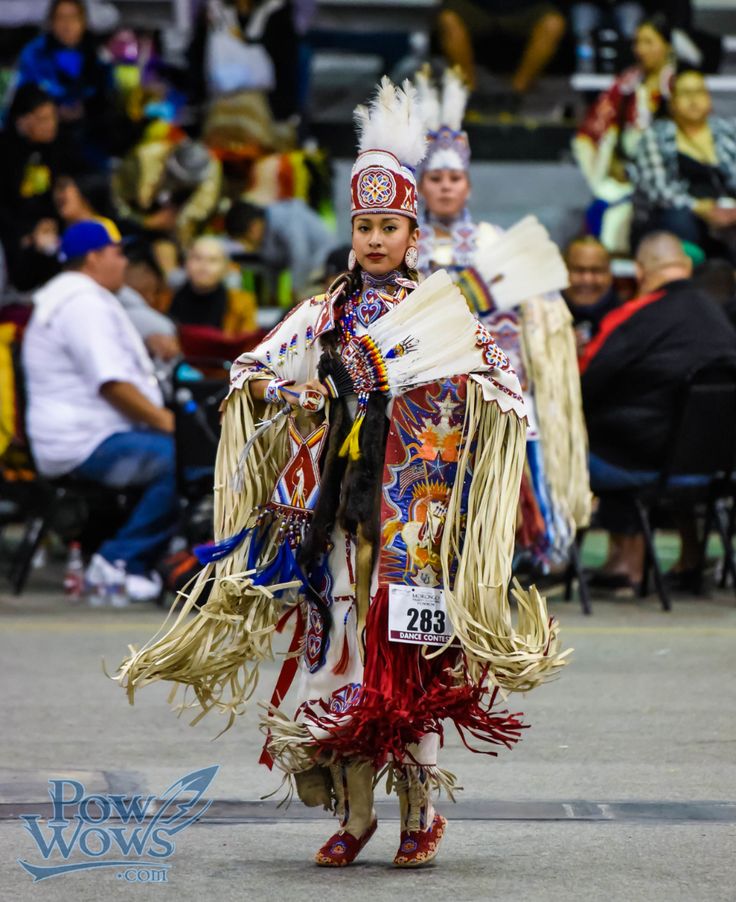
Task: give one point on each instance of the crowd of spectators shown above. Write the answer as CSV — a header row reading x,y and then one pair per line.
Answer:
x,y
144,207
145,210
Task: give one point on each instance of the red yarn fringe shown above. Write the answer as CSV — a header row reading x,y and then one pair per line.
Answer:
x,y
342,664
404,696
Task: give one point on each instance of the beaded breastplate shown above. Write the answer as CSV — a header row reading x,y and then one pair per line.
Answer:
x,y
375,297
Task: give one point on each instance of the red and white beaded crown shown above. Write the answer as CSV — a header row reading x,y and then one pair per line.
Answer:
x,y
391,144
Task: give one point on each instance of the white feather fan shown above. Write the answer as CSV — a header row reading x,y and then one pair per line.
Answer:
x,y
430,335
519,263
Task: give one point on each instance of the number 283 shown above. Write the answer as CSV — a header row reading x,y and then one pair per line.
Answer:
x,y
429,621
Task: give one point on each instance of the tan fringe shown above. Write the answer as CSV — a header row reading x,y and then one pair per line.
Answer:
x,y
552,364
438,779
483,543
289,743
217,651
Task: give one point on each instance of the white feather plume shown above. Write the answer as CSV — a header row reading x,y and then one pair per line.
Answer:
x,y
454,99
392,121
519,263
429,99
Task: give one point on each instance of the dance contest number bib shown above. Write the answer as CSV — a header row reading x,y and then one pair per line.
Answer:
x,y
417,616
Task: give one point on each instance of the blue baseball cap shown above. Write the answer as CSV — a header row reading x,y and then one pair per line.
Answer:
x,y
91,235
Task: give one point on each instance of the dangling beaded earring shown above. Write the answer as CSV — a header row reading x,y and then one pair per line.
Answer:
x,y
352,260
411,257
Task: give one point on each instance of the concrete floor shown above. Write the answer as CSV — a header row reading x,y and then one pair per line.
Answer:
x,y
644,714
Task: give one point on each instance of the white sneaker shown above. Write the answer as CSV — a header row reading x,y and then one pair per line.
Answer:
x,y
100,572
143,588
97,577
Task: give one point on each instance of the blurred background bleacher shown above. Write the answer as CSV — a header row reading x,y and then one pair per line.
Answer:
x,y
284,149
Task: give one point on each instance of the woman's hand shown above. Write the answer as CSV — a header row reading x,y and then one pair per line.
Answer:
x,y
288,392
293,393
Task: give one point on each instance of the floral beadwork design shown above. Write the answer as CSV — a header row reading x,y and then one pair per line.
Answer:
x,y
492,354
376,188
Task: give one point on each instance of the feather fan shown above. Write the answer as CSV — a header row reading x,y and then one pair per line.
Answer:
x,y
430,335
520,262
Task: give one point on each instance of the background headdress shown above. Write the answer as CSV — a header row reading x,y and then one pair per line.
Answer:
x,y
442,113
392,143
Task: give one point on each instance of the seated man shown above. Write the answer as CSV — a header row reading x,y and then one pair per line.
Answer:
x,y
94,407
540,23
65,60
632,375
684,174
591,294
139,297
286,235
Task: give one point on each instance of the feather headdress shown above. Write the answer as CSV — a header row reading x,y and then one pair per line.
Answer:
x,y
454,99
392,143
442,113
430,104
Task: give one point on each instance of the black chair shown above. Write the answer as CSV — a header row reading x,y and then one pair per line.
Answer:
x,y
527,571
42,508
575,571
725,523
196,407
696,474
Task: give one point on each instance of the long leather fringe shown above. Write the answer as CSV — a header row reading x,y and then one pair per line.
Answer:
x,y
552,363
217,651
515,659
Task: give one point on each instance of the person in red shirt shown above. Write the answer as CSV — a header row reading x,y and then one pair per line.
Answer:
x,y
632,376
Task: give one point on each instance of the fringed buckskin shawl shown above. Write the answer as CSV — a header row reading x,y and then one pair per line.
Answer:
x,y
552,365
537,334
216,649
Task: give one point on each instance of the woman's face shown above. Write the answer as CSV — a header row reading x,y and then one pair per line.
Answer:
x,y
690,102
651,49
70,204
445,192
380,241
67,24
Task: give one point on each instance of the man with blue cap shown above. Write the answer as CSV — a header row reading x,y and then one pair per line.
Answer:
x,y
95,409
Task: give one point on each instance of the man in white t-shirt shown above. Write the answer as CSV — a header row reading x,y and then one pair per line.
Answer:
x,y
95,409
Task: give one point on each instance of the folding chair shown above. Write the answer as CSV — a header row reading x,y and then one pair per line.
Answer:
x,y
575,572
197,429
696,473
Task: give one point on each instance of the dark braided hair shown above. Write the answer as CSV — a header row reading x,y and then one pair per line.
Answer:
x,y
350,491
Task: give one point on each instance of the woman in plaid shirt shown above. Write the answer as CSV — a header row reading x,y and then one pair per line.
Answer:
x,y
684,174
